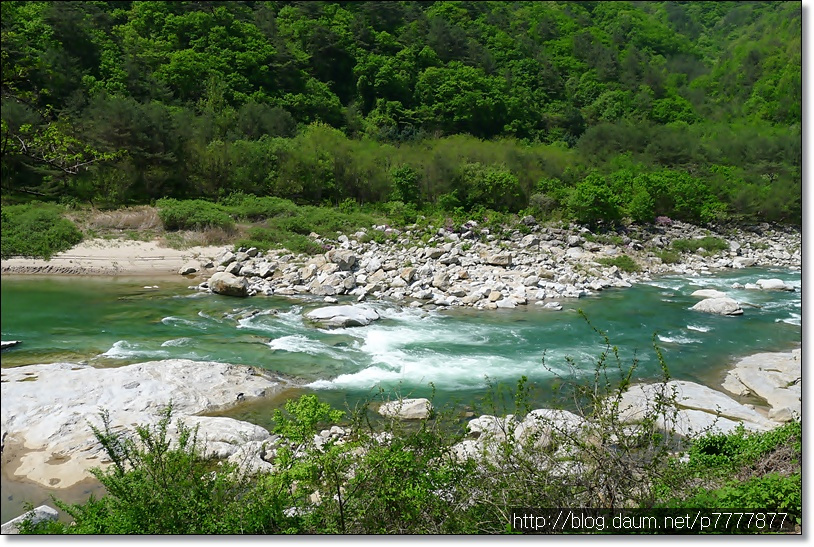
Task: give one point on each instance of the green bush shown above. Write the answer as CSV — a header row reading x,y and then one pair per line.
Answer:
x,y
36,230
709,243
271,238
668,257
623,262
195,214
406,184
254,208
715,458
592,201
492,187
400,214
728,451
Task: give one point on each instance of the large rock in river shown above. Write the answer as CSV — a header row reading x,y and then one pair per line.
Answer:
x,y
709,293
689,408
721,306
228,284
47,410
343,316
774,285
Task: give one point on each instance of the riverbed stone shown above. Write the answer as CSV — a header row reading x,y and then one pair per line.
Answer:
x,y
225,259
695,409
774,285
499,259
530,240
493,428
343,316
228,284
407,409
538,427
743,262
221,436
720,306
774,377
189,268
709,293
343,258
441,281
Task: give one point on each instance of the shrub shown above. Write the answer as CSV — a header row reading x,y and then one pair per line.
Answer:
x,y
493,187
195,214
400,214
747,470
623,262
542,205
405,183
709,243
254,208
668,257
592,201
449,202
36,230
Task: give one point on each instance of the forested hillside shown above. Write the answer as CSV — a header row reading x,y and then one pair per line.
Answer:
x,y
586,110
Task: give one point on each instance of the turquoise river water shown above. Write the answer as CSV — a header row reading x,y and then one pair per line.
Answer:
x,y
117,321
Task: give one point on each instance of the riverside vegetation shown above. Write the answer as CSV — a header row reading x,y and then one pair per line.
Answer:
x,y
394,476
589,110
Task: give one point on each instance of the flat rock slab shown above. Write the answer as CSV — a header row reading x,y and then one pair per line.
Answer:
x,y
47,410
343,316
698,407
774,377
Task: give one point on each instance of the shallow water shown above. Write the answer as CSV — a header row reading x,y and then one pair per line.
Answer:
x,y
456,353
117,321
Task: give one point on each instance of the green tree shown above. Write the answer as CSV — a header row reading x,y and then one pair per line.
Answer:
x,y
592,201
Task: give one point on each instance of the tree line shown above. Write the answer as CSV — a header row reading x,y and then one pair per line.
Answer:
x,y
505,105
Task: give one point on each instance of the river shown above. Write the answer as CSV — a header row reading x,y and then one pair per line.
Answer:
x,y
459,355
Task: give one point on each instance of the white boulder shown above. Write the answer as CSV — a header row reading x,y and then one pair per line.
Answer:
x,y
407,409
720,306
228,284
774,285
57,452
343,316
709,293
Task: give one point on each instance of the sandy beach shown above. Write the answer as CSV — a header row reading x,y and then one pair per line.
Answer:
x,y
112,257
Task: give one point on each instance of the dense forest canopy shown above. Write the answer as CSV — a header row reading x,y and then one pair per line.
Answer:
x,y
599,109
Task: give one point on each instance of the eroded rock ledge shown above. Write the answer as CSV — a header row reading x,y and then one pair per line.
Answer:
x,y
48,409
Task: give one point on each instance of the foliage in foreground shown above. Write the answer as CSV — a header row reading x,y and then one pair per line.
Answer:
x,y
405,477
36,230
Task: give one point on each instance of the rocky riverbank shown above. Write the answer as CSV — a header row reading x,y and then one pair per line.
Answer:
x,y
48,410
475,268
